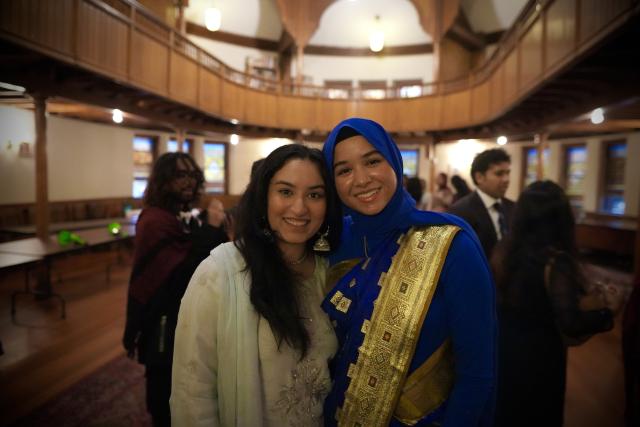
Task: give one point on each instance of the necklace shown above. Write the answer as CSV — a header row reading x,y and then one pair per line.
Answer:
x,y
299,260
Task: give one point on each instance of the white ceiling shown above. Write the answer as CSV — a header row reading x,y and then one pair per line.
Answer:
x,y
347,23
251,18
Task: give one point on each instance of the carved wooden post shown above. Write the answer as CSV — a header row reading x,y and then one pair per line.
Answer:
x,y
299,64
181,22
301,18
42,196
436,17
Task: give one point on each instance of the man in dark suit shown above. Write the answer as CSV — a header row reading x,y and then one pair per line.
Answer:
x,y
486,209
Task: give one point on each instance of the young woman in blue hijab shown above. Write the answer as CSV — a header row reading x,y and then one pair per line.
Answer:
x,y
413,302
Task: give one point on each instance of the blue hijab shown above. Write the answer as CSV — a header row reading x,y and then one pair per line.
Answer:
x,y
399,214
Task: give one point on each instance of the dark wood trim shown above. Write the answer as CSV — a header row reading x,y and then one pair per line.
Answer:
x,y
222,36
415,49
277,46
493,37
372,84
42,193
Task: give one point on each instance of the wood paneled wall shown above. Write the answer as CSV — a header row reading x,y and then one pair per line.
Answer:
x,y
126,41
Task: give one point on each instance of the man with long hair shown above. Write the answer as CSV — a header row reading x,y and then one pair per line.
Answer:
x,y
171,240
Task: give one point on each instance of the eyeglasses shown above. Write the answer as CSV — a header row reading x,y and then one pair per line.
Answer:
x,y
182,174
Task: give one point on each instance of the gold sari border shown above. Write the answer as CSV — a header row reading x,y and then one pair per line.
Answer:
x,y
428,387
406,293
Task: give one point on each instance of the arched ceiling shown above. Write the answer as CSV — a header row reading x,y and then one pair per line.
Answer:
x,y
347,23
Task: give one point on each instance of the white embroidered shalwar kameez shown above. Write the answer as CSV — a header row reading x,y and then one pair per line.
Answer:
x,y
227,369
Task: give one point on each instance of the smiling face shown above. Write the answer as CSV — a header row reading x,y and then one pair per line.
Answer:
x,y
365,181
296,204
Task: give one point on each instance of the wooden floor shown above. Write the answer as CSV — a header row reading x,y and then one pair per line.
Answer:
x,y
45,354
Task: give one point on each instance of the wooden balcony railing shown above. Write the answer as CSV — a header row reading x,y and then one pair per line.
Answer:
x,y
121,40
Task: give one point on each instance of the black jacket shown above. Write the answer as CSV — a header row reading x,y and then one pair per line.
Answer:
x,y
471,209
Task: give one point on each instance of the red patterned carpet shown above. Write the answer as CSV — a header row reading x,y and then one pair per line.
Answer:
x,y
112,396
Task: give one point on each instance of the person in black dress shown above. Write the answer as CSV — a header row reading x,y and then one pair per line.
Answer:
x,y
543,307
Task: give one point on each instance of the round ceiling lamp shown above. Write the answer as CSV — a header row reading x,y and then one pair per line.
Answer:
x,y
212,19
376,37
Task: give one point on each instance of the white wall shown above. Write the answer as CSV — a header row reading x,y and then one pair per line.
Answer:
x,y
242,156
17,174
85,160
231,55
92,161
251,18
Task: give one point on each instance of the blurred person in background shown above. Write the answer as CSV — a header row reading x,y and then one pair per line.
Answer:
x,y
442,197
461,187
171,240
544,305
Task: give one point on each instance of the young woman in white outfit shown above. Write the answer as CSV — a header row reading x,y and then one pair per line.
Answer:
x,y
252,343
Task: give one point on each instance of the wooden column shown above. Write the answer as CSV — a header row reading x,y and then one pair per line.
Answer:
x,y
437,50
181,22
542,145
180,134
42,194
436,17
300,18
299,64
285,56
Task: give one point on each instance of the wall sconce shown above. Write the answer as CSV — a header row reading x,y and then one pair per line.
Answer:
x,y
376,37
212,18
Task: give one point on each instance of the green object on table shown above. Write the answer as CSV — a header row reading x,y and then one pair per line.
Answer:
x,y
114,228
66,237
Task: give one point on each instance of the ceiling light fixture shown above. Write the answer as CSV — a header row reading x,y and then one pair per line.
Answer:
x,y
376,38
116,116
502,140
597,116
234,139
212,18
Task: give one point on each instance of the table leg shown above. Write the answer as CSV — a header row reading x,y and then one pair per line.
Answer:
x,y
42,290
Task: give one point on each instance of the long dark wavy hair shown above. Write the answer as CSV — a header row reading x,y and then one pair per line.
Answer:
x,y
542,226
164,170
273,283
